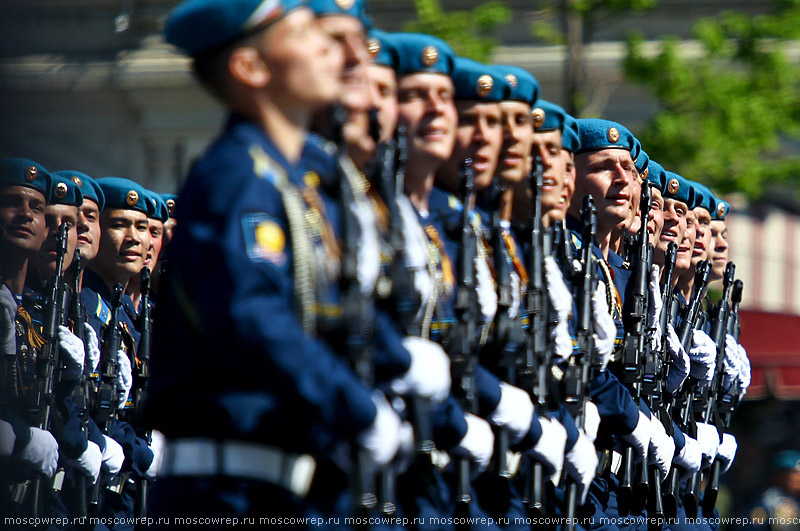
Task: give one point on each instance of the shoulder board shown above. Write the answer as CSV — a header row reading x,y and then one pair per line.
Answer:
x,y
576,241
265,167
102,310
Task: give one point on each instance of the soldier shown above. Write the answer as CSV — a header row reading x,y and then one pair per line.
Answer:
x,y
243,218
718,253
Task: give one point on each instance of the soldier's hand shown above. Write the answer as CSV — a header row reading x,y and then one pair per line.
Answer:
x,y
731,364
157,441
549,449
661,450
8,331
708,437
639,438
113,456
382,438
581,464
124,378
690,458
92,345
744,372
679,361
478,443
703,355
605,331
514,412
591,420
429,373
7,438
41,452
89,462
561,299
72,354
654,308
727,451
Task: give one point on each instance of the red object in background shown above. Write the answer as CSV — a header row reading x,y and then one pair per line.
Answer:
x,y
772,341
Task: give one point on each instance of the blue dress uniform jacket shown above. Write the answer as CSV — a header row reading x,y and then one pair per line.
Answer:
x,y
231,358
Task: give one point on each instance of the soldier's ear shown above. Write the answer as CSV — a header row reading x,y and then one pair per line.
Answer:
x,y
246,66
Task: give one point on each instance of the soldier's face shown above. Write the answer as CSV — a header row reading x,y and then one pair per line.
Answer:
x,y
548,146
88,230
169,227
156,229
55,215
426,109
655,220
383,85
673,229
634,221
718,253
22,225
607,175
348,31
702,242
123,245
478,137
569,179
513,166
683,260
304,64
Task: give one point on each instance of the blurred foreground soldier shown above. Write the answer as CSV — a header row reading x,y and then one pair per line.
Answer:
x,y
246,395
779,507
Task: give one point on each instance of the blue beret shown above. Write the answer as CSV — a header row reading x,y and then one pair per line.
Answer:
x,y
419,53
673,186
65,192
787,460
547,116
721,209
475,81
199,26
382,49
522,85
160,210
703,198
24,172
642,163
170,200
353,8
597,134
89,187
125,194
570,138
655,175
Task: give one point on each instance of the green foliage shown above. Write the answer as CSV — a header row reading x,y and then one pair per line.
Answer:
x,y
466,31
726,112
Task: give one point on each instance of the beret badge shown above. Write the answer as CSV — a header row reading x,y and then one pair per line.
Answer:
x,y
345,4
672,186
31,173
538,117
429,55
77,181
644,173
170,205
373,47
132,197
484,85
512,80
613,134
61,190
721,210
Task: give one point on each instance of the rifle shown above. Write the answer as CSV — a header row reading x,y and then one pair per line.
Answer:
x,y
580,370
532,373
83,392
721,402
463,359
684,403
105,404
48,362
358,313
142,379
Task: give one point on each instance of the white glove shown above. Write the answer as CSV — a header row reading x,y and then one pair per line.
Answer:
x,y
591,420
368,252
514,412
407,450
7,438
661,449
561,299
703,355
485,289
157,442
429,373
639,438
92,345
680,362
727,451
72,353
113,456
382,438
124,378
730,363
549,449
89,462
8,330
605,331
41,452
690,458
655,307
478,442
708,437
744,374
581,464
